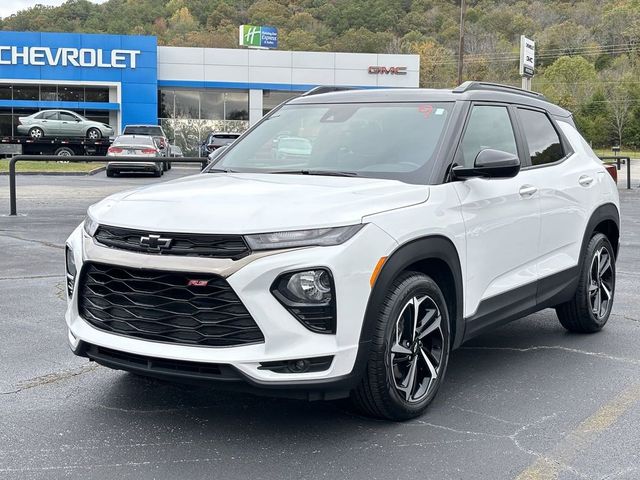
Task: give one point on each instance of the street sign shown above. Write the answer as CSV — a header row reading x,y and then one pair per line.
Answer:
x,y
255,36
527,56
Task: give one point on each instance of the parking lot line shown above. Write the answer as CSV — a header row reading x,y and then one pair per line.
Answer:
x,y
548,467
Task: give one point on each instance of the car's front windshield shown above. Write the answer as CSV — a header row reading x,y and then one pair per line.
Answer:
x,y
379,140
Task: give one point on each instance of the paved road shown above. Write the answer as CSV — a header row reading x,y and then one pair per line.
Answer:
x,y
529,401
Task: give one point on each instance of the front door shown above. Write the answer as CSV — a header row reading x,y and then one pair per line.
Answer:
x,y
70,125
502,222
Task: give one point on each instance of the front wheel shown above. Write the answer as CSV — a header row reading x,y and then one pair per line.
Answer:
x,y
94,134
409,352
590,307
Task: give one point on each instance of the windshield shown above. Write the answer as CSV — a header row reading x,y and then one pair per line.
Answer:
x,y
380,140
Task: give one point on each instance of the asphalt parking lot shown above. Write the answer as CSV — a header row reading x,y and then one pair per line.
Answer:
x,y
527,401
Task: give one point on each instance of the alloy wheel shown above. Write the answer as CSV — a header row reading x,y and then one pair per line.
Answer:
x,y
601,283
417,349
93,134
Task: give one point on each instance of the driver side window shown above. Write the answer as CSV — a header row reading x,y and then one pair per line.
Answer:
x,y
489,126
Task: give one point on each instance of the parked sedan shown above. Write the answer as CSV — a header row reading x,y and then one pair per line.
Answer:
x,y
216,140
143,146
65,123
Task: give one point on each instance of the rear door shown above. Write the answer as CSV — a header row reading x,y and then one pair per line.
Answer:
x,y
502,222
49,122
567,182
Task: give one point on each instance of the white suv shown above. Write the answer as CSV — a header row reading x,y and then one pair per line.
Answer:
x,y
403,223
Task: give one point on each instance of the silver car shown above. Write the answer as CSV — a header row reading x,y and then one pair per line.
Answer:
x,y
143,146
65,123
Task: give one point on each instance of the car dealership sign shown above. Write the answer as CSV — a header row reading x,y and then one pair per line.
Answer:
x,y
258,36
527,56
77,57
379,70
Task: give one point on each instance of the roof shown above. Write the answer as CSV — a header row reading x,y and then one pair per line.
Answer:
x,y
468,91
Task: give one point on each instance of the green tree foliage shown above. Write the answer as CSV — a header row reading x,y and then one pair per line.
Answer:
x,y
587,51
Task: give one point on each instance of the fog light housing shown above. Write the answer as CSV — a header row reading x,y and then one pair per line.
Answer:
x,y
298,365
70,270
309,295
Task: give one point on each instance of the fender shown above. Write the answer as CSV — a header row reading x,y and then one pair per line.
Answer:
x,y
434,247
608,211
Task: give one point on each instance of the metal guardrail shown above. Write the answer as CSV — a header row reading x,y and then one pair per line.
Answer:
x,y
81,158
618,159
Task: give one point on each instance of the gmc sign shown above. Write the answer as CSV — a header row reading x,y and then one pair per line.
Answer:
x,y
377,70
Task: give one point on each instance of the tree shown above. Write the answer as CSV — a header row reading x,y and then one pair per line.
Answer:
x,y
569,81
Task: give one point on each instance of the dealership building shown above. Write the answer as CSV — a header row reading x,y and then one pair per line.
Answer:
x,y
124,79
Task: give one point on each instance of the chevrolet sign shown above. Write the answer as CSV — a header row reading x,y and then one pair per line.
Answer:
x,y
377,70
77,57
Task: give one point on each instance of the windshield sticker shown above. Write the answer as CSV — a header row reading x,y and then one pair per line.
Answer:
x,y
425,110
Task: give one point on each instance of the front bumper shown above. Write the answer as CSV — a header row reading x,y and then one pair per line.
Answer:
x,y
251,278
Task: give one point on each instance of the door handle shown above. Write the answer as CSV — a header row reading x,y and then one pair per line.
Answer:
x,y
527,190
585,180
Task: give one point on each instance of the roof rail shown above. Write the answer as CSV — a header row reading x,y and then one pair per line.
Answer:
x,y
473,85
325,89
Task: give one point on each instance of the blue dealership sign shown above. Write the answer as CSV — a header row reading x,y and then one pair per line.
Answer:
x,y
128,62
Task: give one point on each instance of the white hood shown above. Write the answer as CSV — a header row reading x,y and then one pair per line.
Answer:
x,y
254,203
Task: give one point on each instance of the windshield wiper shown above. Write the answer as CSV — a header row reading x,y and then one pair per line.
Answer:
x,y
221,170
329,173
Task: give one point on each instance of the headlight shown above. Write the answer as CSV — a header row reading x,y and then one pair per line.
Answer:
x,y
90,225
302,238
309,295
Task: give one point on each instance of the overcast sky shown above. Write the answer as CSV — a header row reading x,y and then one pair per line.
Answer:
x,y
9,7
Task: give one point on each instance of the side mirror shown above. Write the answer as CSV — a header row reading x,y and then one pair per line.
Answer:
x,y
490,163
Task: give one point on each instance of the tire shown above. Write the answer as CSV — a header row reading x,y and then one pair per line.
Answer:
x,y
94,134
168,165
385,390
36,132
111,173
158,173
590,307
64,152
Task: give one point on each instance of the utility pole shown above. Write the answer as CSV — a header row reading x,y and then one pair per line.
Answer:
x,y
461,43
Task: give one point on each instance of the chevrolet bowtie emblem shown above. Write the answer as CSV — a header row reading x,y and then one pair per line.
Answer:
x,y
155,242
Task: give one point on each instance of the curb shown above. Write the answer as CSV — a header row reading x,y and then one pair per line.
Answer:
x,y
60,174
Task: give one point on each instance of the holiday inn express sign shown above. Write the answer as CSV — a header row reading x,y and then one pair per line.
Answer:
x,y
258,36
77,57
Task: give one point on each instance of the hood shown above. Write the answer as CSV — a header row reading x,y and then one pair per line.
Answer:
x,y
254,203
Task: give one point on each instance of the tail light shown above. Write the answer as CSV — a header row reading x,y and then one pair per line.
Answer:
x,y
613,171
149,150
114,150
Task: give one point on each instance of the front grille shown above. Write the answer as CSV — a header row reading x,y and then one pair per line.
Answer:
x,y
181,308
185,244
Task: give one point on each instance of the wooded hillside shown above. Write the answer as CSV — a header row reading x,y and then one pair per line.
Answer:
x,y
587,51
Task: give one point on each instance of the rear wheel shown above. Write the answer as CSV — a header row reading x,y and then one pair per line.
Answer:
x,y
64,152
36,132
590,307
409,352
94,134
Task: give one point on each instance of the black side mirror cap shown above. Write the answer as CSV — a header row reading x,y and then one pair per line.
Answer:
x,y
490,163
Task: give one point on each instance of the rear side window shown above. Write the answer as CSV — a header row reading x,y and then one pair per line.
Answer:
x,y
542,138
489,126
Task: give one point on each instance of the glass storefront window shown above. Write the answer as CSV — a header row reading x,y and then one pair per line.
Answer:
x,y
187,104
101,116
212,105
70,93
6,125
96,94
166,100
5,92
26,92
236,105
272,98
49,93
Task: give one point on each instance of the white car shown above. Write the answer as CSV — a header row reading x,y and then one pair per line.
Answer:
x,y
143,146
416,220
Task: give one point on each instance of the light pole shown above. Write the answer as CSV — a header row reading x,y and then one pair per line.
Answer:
x,y
461,42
